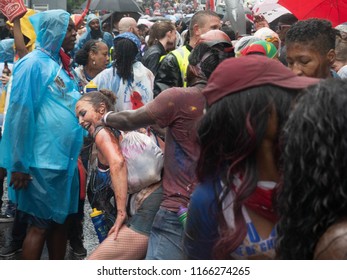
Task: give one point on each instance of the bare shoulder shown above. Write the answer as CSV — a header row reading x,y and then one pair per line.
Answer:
x,y
105,135
333,243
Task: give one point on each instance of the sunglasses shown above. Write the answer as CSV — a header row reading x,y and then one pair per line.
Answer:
x,y
282,26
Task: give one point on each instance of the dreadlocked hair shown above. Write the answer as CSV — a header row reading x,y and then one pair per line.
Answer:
x,y
125,52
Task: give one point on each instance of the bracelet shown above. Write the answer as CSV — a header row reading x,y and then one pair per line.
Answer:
x,y
105,117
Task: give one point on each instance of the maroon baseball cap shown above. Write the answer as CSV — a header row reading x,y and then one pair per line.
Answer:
x,y
237,74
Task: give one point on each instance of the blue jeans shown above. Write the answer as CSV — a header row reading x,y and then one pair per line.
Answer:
x,y
166,237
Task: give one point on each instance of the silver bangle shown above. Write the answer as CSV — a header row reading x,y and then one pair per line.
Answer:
x,y
105,117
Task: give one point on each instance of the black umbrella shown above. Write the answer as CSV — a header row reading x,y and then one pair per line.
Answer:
x,y
114,5
116,16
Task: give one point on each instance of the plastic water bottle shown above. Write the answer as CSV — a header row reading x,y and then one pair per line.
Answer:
x,y
98,220
6,71
91,86
182,215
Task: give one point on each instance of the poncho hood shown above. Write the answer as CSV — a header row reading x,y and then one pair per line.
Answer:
x,y
50,28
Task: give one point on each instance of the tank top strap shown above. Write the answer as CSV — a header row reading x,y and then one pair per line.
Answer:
x,y
116,132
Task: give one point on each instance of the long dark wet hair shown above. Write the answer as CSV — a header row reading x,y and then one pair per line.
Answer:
x,y
230,133
314,191
125,52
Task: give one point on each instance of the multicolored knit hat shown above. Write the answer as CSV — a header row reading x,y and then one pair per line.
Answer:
x,y
263,47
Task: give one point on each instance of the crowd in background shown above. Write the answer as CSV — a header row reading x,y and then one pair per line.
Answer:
x,y
247,130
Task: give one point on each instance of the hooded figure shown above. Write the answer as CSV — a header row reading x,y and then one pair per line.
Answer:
x,y
94,31
6,55
6,50
42,139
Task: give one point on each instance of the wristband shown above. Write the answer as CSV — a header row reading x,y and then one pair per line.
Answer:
x,y
105,117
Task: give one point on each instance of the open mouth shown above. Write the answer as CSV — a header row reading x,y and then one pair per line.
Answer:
x,y
87,126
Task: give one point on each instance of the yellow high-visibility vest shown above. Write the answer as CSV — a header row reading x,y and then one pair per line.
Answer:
x,y
111,54
182,55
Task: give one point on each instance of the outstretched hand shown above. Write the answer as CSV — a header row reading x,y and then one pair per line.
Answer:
x,y
20,180
120,220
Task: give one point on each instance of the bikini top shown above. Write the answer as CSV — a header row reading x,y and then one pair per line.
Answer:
x,y
115,132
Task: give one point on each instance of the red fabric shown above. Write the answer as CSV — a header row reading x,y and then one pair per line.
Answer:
x,y
251,71
212,7
80,19
253,49
136,100
83,179
333,10
12,9
261,203
66,60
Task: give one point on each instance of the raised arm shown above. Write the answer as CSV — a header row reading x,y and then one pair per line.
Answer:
x,y
19,39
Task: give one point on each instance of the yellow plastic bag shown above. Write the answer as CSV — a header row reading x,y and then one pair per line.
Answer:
x,y
2,101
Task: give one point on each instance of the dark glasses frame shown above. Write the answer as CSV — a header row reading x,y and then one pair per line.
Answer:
x,y
282,26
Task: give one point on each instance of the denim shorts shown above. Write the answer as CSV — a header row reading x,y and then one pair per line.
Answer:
x,y
34,221
142,221
166,238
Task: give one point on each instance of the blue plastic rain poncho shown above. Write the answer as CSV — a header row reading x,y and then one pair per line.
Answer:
x,y
6,50
42,136
86,36
6,55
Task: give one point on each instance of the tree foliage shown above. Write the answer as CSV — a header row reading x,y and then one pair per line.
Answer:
x,y
73,5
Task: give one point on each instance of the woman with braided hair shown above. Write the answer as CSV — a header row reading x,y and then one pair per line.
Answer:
x,y
92,58
128,78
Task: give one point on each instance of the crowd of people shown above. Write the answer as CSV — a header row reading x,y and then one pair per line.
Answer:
x,y
246,133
